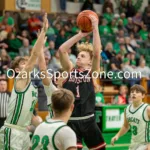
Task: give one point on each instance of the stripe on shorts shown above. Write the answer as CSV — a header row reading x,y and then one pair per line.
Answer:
x,y
7,134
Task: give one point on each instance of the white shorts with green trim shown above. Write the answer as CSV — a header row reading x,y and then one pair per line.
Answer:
x,y
14,138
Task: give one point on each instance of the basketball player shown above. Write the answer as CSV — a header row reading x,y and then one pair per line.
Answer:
x,y
54,134
14,134
80,83
136,118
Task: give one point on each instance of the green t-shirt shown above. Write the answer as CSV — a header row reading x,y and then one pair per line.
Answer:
x,y
99,98
104,30
10,20
125,21
108,17
143,34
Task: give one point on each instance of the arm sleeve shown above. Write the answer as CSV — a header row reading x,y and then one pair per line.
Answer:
x,y
49,90
66,138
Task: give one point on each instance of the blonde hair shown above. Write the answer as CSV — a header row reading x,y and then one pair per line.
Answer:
x,y
87,47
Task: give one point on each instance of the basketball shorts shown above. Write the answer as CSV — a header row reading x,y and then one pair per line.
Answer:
x,y
14,139
137,146
88,130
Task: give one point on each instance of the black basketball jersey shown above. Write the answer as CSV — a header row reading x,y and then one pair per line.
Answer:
x,y
81,84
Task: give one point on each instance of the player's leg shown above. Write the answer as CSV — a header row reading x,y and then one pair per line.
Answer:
x,y
92,135
75,126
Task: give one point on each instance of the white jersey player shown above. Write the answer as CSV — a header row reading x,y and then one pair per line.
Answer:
x,y
54,134
14,134
137,119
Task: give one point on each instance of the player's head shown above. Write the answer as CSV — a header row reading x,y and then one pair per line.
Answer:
x,y
18,64
85,55
62,102
137,93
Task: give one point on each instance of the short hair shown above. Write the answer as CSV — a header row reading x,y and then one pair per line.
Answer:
x,y
87,47
62,99
16,61
138,88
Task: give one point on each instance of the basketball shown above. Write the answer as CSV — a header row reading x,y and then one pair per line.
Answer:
x,y
84,22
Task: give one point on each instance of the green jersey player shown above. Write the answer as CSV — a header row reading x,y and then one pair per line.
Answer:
x,y
137,119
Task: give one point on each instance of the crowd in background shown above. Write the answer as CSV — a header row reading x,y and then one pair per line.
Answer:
x,y
125,38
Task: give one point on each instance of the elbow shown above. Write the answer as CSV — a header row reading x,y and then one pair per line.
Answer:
x,y
61,50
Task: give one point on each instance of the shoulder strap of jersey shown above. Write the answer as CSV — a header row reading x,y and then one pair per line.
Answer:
x,y
146,105
53,138
24,90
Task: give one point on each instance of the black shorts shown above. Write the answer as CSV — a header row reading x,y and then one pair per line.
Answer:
x,y
89,131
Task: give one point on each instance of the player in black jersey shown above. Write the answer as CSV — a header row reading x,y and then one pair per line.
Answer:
x,y
80,83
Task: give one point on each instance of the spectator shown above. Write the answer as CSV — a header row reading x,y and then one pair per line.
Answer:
x,y
147,9
133,42
87,5
122,7
116,62
99,97
122,98
61,38
109,50
113,27
147,42
51,48
123,50
104,29
146,19
143,33
133,60
14,43
2,73
144,71
5,60
40,17
23,17
6,17
72,56
124,19
116,46
34,24
122,27
108,15
54,63
24,50
4,100
130,10
107,4
128,46
137,19
130,25
3,39
51,33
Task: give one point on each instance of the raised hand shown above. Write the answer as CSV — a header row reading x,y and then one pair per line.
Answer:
x,y
84,34
45,22
94,21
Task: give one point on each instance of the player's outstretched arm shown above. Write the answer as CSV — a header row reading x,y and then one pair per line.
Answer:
x,y
124,129
22,82
64,57
96,45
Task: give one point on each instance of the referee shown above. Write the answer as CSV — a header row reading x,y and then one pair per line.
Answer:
x,y
4,99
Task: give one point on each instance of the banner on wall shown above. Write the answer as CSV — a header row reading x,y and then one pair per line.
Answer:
x,y
29,4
